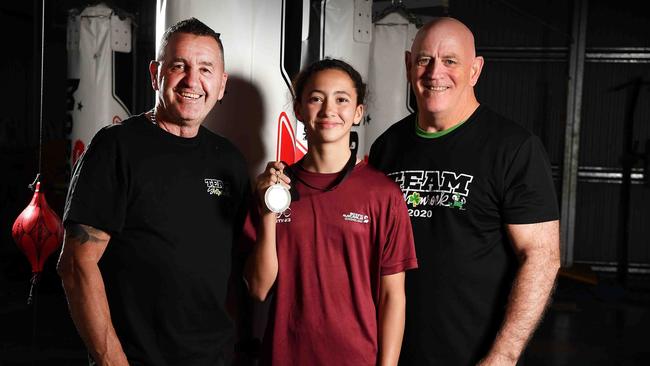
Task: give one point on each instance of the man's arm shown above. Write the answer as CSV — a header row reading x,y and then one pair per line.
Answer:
x,y
83,246
392,310
538,248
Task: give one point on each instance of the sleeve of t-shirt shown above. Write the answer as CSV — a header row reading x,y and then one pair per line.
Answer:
x,y
238,301
245,240
241,241
98,194
398,253
376,153
245,198
249,230
529,195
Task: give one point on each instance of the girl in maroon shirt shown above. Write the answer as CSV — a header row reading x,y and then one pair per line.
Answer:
x,y
335,259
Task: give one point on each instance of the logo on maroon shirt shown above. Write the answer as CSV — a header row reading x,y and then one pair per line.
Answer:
x,y
284,216
356,217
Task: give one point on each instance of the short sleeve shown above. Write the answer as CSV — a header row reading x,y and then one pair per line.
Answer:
x,y
243,228
244,203
529,195
97,195
398,253
373,155
248,237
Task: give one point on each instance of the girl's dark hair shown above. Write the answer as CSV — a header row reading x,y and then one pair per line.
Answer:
x,y
326,64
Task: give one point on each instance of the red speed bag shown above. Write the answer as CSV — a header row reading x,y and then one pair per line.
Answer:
x,y
38,231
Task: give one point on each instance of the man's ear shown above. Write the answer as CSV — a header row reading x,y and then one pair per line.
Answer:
x,y
153,73
407,63
222,90
477,66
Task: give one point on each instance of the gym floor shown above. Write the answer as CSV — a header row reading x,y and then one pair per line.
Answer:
x,y
587,324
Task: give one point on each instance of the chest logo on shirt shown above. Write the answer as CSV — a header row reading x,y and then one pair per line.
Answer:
x,y
356,217
422,188
216,187
284,216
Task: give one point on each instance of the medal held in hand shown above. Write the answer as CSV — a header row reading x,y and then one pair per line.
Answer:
x,y
277,197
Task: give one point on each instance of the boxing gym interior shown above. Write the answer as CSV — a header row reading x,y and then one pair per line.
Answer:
x,y
575,73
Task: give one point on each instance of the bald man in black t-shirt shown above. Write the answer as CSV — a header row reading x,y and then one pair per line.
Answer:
x,y
483,208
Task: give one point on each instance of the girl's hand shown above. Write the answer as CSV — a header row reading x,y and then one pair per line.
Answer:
x,y
273,174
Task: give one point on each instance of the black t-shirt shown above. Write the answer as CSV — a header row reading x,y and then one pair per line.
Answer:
x,y
461,189
173,207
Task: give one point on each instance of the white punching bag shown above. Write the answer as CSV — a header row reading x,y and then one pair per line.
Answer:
x,y
92,38
389,103
347,33
256,113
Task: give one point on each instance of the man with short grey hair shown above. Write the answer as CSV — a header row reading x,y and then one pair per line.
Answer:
x,y
152,212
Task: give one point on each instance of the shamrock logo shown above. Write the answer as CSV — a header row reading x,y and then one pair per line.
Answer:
x,y
458,202
414,199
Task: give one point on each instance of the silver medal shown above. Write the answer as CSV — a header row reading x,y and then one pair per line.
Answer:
x,y
277,198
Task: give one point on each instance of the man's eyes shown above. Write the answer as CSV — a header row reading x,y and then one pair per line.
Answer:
x,y
425,61
183,67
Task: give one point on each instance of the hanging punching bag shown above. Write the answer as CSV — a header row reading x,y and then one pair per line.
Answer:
x,y
38,232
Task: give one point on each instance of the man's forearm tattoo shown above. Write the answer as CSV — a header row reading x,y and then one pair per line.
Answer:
x,y
82,233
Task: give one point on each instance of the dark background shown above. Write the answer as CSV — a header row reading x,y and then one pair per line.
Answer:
x,y
594,319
